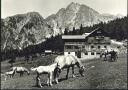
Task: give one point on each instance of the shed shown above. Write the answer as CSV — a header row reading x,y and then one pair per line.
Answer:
x,y
48,52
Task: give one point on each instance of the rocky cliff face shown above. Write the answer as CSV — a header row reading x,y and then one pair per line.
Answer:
x,y
21,30
75,15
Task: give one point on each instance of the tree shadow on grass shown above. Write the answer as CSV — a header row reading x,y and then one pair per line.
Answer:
x,y
62,79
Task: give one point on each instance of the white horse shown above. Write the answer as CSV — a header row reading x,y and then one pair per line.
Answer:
x,y
69,61
20,70
51,70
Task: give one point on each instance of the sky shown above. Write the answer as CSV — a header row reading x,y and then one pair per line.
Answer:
x,y
48,7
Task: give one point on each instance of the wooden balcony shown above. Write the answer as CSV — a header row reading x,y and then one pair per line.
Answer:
x,y
74,43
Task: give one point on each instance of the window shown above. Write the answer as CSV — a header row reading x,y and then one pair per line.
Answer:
x,y
68,47
86,53
92,53
98,53
98,47
92,46
76,47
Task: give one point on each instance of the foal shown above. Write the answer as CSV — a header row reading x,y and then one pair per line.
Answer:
x,y
10,73
21,70
51,70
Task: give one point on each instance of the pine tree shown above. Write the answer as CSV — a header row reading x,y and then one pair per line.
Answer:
x,y
66,31
74,31
81,29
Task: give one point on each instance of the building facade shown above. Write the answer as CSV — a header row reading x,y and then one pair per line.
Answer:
x,y
88,45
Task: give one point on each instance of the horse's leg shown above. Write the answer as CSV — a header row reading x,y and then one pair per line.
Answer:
x,y
22,73
73,72
5,77
38,82
13,74
50,79
56,79
67,72
10,76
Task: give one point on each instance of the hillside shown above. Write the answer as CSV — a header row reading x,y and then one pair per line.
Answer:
x,y
116,29
74,15
22,30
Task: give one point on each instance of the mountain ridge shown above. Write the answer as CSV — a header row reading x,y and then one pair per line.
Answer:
x,y
22,30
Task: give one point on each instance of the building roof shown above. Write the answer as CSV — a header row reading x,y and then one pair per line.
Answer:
x,y
78,36
73,37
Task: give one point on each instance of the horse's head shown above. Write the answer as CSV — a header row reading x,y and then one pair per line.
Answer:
x,y
28,72
57,71
81,70
32,69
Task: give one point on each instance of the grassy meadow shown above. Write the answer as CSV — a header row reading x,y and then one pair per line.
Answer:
x,y
105,75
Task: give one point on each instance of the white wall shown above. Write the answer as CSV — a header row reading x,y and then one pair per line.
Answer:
x,y
71,53
89,56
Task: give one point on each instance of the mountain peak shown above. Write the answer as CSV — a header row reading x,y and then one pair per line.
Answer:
x,y
73,5
34,14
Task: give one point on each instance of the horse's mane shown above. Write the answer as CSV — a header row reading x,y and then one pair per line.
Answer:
x,y
53,64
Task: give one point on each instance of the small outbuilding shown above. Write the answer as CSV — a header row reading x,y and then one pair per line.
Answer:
x,y
48,52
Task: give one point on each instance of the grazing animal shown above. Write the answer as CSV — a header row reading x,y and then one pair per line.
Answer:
x,y
9,73
21,70
69,61
105,55
112,54
51,70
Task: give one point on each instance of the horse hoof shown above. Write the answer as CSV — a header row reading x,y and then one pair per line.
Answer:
x,y
50,85
56,82
41,86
